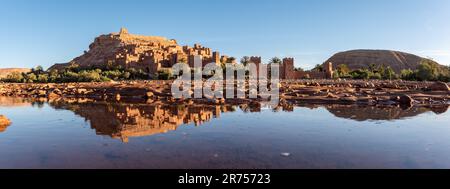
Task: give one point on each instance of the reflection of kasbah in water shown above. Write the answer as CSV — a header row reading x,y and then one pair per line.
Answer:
x,y
124,120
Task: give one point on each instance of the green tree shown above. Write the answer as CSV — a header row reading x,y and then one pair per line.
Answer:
x,y
372,67
38,70
388,73
342,69
299,69
53,76
164,75
381,69
42,78
318,67
375,76
407,74
14,77
31,77
361,74
426,71
231,60
126,75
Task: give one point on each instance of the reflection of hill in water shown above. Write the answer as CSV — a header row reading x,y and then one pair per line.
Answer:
x,y
133,120
363,113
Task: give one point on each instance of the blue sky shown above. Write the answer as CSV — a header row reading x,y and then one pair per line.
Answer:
x,y
54,31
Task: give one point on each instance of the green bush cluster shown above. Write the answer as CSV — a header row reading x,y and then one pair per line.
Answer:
x,y
372,72
76,74
426,71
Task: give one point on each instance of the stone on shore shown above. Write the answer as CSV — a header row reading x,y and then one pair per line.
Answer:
x,y
4,122
439,86
405,100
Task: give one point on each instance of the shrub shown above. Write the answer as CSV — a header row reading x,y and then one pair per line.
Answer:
x,y
388,73
426,72
376,76
42,78
164,76
360,74
31,77
408,74
342,69
88,76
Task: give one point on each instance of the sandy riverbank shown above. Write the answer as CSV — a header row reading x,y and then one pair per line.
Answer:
x,y
297,91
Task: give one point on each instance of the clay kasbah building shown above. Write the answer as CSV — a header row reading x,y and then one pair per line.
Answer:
x,y
156,54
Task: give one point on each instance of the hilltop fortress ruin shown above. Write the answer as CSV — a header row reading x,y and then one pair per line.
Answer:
x,y
154,54
149,53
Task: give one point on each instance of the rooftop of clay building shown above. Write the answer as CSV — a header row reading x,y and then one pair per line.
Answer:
x,y
124,35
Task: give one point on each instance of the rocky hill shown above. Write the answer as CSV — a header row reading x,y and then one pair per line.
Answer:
x,y
150,53
358,59
5,71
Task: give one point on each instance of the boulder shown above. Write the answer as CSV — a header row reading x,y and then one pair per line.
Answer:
x,y
4,122
331,95
149,94
53,94
405,100
81,91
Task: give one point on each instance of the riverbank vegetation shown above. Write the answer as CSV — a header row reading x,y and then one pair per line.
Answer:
x,y
426,71
76,74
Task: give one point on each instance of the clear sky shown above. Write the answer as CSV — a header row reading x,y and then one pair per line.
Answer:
x,y
53,31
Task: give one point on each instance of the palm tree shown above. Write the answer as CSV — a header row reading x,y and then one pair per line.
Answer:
x,y
37,70
372,67
231,60
318,67
245,60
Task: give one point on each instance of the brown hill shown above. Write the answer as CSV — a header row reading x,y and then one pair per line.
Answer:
x,y
5,71
150,53
359,59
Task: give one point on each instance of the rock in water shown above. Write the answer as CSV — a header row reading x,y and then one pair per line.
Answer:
x,y
4,122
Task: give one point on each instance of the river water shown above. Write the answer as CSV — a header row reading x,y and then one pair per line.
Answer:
x,y
84,134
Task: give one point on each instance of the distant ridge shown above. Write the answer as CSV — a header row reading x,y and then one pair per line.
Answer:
x,y
5,71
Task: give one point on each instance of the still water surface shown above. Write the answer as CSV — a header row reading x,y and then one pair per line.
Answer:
x,y
139,135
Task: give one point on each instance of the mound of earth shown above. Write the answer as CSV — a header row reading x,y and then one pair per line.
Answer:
x,y
6,71
360,59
